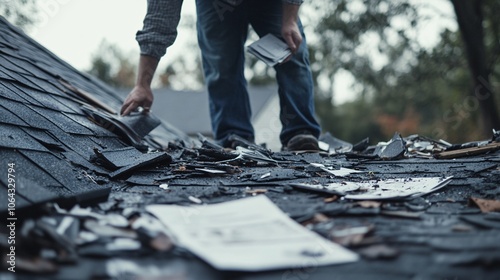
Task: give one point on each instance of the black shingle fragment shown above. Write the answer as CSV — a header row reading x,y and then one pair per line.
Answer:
x,y
78,160
143,161
74,181
114,159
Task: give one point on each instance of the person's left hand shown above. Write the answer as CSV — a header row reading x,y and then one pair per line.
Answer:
x,y
290,32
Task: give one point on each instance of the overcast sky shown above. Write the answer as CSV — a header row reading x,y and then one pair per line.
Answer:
x,y
73,29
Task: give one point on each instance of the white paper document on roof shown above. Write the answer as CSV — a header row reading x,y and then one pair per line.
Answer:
x,y
270,49
250,234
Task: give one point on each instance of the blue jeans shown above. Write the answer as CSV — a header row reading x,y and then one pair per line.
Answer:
x,y
222,33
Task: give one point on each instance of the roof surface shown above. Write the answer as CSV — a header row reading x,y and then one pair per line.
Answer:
x,y
61,156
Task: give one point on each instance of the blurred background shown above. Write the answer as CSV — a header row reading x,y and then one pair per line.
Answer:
x,y
428,67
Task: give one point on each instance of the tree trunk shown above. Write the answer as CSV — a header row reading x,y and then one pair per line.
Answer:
x,y
470,21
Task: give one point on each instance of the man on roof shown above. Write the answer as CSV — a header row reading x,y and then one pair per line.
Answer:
x,y
222,31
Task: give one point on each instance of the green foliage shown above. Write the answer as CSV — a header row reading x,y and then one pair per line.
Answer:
x,y
21,13
416,90
492,39
112,66
355,120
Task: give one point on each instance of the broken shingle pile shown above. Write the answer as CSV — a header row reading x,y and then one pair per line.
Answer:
x,y
441,222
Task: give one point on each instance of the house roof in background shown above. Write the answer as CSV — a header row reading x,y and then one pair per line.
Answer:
x,y
189,110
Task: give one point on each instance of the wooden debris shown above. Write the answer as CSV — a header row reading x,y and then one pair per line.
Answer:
x,y
469,151
256,191
88,97
486,205
369,204
331,199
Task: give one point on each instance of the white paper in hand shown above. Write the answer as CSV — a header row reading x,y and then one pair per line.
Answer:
x,y
270,49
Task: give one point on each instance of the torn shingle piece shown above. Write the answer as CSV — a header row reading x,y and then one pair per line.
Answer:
x,y
120,157
145,178
140,123
143,161
335,145
342,172
245,153
394,149
111,142
78,160
73,182
110,122
15,138
293,157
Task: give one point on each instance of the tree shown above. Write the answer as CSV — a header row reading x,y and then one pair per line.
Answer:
x,y
401,85
112,66
471,20
21,13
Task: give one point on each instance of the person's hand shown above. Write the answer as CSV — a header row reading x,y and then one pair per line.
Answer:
x,y
290,32
138,97
290,28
